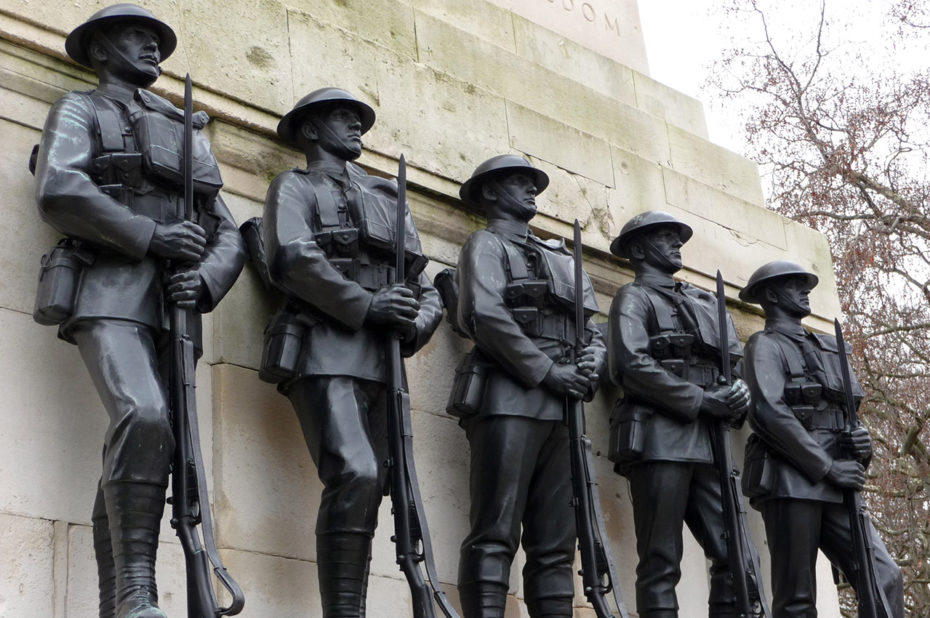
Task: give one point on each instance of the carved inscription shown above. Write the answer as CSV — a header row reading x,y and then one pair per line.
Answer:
x,y
594,13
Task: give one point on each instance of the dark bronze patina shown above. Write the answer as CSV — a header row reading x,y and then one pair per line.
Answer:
x,y
146,237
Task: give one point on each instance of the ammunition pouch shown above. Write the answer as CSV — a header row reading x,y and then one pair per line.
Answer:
x,y
545,324
468,387
59,280
803,392
119,168
627,432
341,242
696,373
671,345
284,338
758,472
160,141
525,293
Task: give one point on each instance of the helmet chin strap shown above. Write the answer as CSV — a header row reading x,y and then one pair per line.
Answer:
x,y
789,305
124,60
505,197
662,260
324,129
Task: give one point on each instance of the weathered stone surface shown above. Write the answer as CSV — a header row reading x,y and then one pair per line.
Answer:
x,y
676,108
27,585
250,60
608,27
572,59
714,165
573,150
476,17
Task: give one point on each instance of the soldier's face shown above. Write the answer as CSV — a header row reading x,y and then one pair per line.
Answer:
x,y
661,248
517,195
793,295
137,55
341,134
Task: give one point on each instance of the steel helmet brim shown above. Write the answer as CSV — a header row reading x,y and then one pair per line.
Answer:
x,y
498,166
643,221
770,272
77,42
289,125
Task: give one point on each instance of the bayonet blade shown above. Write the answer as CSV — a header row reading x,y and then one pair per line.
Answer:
x,y
723,326
400,229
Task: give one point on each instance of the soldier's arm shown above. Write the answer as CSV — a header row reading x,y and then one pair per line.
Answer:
x,y
298,264
633,367
772,418
222,259
68,198
484,314
428,317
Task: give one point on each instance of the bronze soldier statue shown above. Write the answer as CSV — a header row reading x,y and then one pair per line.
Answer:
x,y
109,179
804,455
663,350
517,304
329,245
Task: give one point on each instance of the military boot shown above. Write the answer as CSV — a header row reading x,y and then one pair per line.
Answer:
x,y
342,561
103,551
134,511
483,599
550,607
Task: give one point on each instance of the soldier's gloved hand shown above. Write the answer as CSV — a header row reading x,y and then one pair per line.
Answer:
x,y
858,442
566,379
725,401
587,364
394,307
847,474
183,241
184,288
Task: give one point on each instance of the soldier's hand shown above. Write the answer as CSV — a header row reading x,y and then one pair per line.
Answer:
x,y
183,241
566,379
394,307
184,288
858,442
587,365
847,474
738,397
725,401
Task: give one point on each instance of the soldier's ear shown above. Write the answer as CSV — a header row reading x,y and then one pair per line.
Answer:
x,y
96,51
488,192
308,130
769,295
636,250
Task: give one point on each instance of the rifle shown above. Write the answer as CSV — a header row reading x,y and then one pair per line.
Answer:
x,y
871,595
411,534
743,560
190,505
598,573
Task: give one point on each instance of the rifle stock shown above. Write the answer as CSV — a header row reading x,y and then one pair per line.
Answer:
x,y
599,577
411,535
743,562
189,502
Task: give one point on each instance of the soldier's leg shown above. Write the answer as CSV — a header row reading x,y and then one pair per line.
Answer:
x,y
503,456
122,360
549,536
793,531
704,517
334,415
659,491
837,544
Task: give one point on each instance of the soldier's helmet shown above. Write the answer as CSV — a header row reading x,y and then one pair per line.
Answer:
x,y
498,166
767,273
645,220
77,42
289,126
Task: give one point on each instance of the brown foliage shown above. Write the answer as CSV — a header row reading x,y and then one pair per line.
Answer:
x,y
842,132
